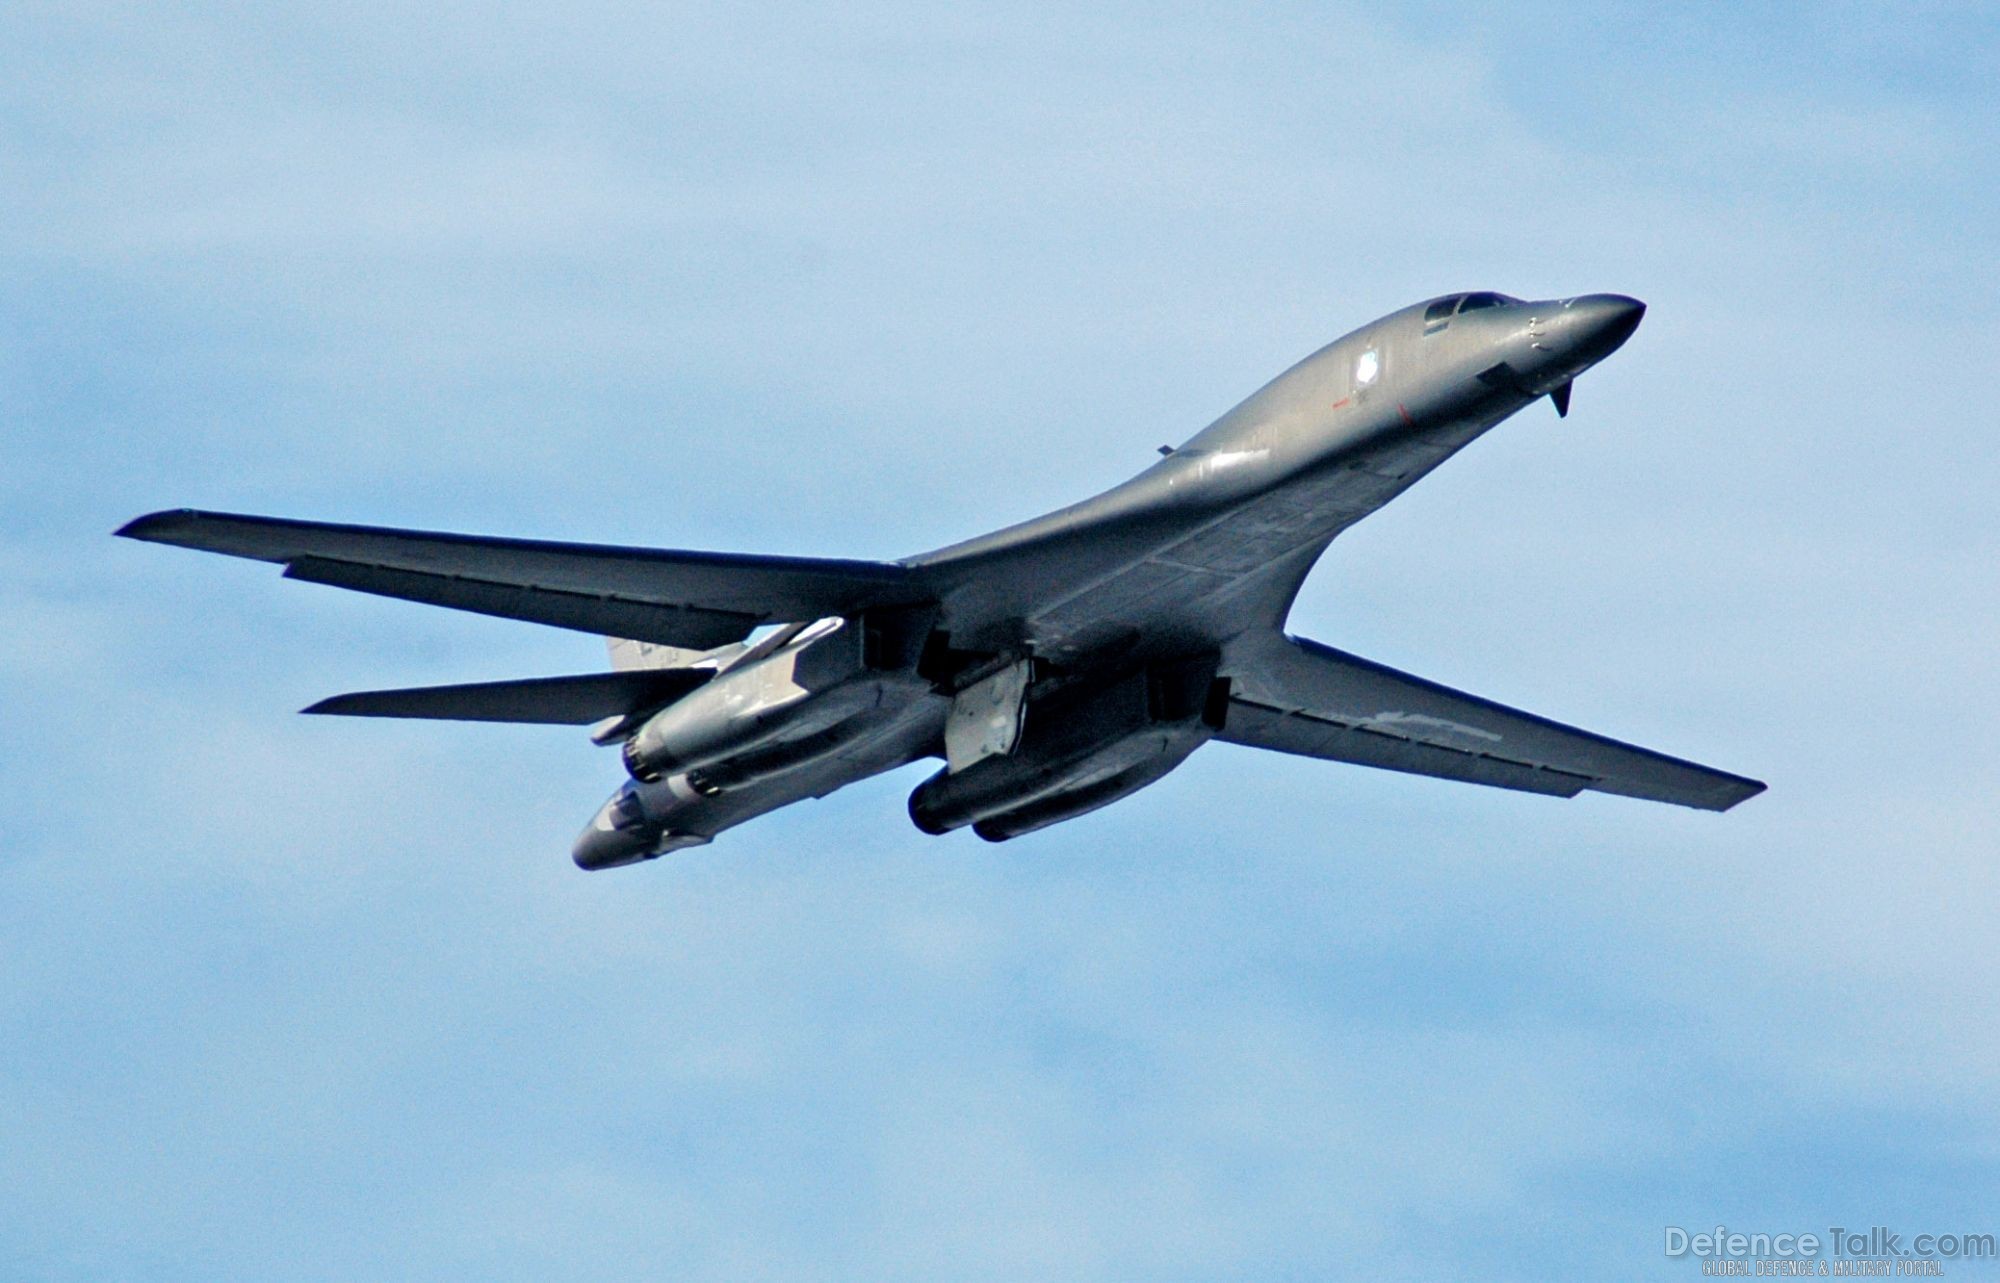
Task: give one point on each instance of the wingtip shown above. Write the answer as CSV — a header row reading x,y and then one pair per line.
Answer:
x,y
350,704
1742,790
156,527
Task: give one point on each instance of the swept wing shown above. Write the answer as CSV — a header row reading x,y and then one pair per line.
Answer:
x,y
687,599
1297,696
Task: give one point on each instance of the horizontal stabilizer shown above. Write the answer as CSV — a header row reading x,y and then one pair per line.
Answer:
x,y
1300,697
675,598
567,701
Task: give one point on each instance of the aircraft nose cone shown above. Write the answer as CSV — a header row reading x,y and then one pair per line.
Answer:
x,y
1604,321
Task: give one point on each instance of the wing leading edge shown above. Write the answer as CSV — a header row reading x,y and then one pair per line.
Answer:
x,y
688,599
1297,696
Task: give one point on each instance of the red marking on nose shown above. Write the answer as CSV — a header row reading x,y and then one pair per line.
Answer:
x,y
1343,401
1405,411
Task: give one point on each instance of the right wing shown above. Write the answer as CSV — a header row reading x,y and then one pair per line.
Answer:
x,y
1300,697
688,599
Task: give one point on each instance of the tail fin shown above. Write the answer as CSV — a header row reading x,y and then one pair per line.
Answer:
x,y
629,656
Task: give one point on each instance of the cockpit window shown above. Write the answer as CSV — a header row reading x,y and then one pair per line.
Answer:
x,y
1481,299
1442,308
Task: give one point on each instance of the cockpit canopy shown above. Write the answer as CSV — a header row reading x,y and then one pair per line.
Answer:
x,y
1439,314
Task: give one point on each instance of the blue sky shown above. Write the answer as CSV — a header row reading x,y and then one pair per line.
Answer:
x,y
286,997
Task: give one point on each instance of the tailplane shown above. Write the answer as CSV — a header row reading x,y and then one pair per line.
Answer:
x,y
561,701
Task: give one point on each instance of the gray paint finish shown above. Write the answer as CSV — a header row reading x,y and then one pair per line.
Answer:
x,y
1147,619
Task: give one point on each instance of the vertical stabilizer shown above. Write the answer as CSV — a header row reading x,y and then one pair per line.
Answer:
x,y
632,656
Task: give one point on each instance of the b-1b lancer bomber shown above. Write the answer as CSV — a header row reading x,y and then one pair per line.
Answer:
x,y
1054,666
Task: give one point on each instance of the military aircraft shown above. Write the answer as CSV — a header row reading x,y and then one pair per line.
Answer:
x,y
1054,666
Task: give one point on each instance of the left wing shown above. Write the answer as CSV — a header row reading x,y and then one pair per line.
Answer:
x,y
1298,696
696,600
558,701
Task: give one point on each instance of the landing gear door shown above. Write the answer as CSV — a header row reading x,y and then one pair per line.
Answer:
x,y
985,718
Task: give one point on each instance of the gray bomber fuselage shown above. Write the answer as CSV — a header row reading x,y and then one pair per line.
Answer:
x,y
1229,523
1211,543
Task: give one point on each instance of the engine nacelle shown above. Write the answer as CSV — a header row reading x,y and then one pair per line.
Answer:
x,y
1078,753
776,757
807,683
1067,804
